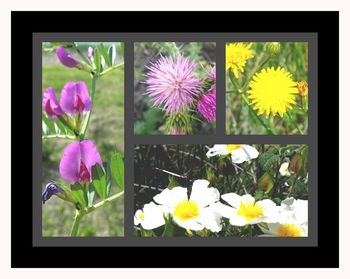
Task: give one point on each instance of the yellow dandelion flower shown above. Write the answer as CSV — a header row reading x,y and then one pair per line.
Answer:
x,y
272,91
237,55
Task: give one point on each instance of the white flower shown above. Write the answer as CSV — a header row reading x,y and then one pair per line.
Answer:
x,y
239,152
195,213
292,221
284,169
243,210
150,217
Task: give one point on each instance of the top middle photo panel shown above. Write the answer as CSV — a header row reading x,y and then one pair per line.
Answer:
x,y
174,88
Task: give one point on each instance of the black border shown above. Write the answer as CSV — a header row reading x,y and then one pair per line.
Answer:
x,y
326,24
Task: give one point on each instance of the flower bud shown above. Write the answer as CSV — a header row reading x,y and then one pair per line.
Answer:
x,y
273,48
52,188
303,88
265,182
178,123
296,164
66,57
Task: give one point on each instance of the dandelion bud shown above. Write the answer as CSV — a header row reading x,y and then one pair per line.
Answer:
x,y
296,164
273,48
265,182
303,88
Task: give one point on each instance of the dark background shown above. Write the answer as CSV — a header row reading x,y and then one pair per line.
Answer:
x,y
326,24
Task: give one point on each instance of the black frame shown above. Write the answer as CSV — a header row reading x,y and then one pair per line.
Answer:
x,y
326,24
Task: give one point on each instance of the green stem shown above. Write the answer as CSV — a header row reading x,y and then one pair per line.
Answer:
x,y
294,123
110,69
82,56
88,116
59,137
101,203
75,227
246,101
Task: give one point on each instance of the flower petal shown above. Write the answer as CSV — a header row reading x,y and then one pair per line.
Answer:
x,y
218,149
203,195
66,57
153,216
243,154
210,219
70,162
50,103
137,219
191,224
82,89
222,209
171,197
90,155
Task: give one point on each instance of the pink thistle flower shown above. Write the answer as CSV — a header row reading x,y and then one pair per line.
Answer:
x,y
207,106
172,84
175,132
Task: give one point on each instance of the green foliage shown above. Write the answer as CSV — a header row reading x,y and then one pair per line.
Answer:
x,y
99,181
117,168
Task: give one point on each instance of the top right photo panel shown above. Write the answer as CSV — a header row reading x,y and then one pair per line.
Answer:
x,y
266,88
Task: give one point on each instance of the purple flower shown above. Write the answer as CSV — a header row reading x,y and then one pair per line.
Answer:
x,y
75,98
50,103
90,53
77,160
175,132
51,189
207,106
172,84
66,57
212,74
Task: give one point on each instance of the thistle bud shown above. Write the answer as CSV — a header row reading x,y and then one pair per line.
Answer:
x,y
178,123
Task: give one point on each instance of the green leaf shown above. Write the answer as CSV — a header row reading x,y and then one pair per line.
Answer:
x,y
99,180
104,53
91,195
112,54
117,168
267,160
79,194
48,126
107,168
97,61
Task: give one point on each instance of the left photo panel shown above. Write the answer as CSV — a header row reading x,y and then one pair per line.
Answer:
x,y
82,139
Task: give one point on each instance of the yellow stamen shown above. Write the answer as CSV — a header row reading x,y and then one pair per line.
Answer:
x,y
232,147
186,210
250,211
288,230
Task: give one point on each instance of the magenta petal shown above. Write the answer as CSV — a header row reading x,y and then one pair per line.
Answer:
x,y
70,163
69,97
50,103
84,93
77,158
66,57
90,155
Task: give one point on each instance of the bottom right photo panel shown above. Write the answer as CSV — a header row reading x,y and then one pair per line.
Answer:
x,y
221,190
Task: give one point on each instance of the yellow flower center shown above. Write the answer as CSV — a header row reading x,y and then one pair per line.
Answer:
x,y
186,210
232,147
288,230
141,216
250,211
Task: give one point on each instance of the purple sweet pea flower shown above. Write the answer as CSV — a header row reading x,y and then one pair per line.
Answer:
x,y
66,57
77,160
75,98
51,189
50,103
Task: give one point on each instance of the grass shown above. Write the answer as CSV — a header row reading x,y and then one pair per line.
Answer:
x,y
106,130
